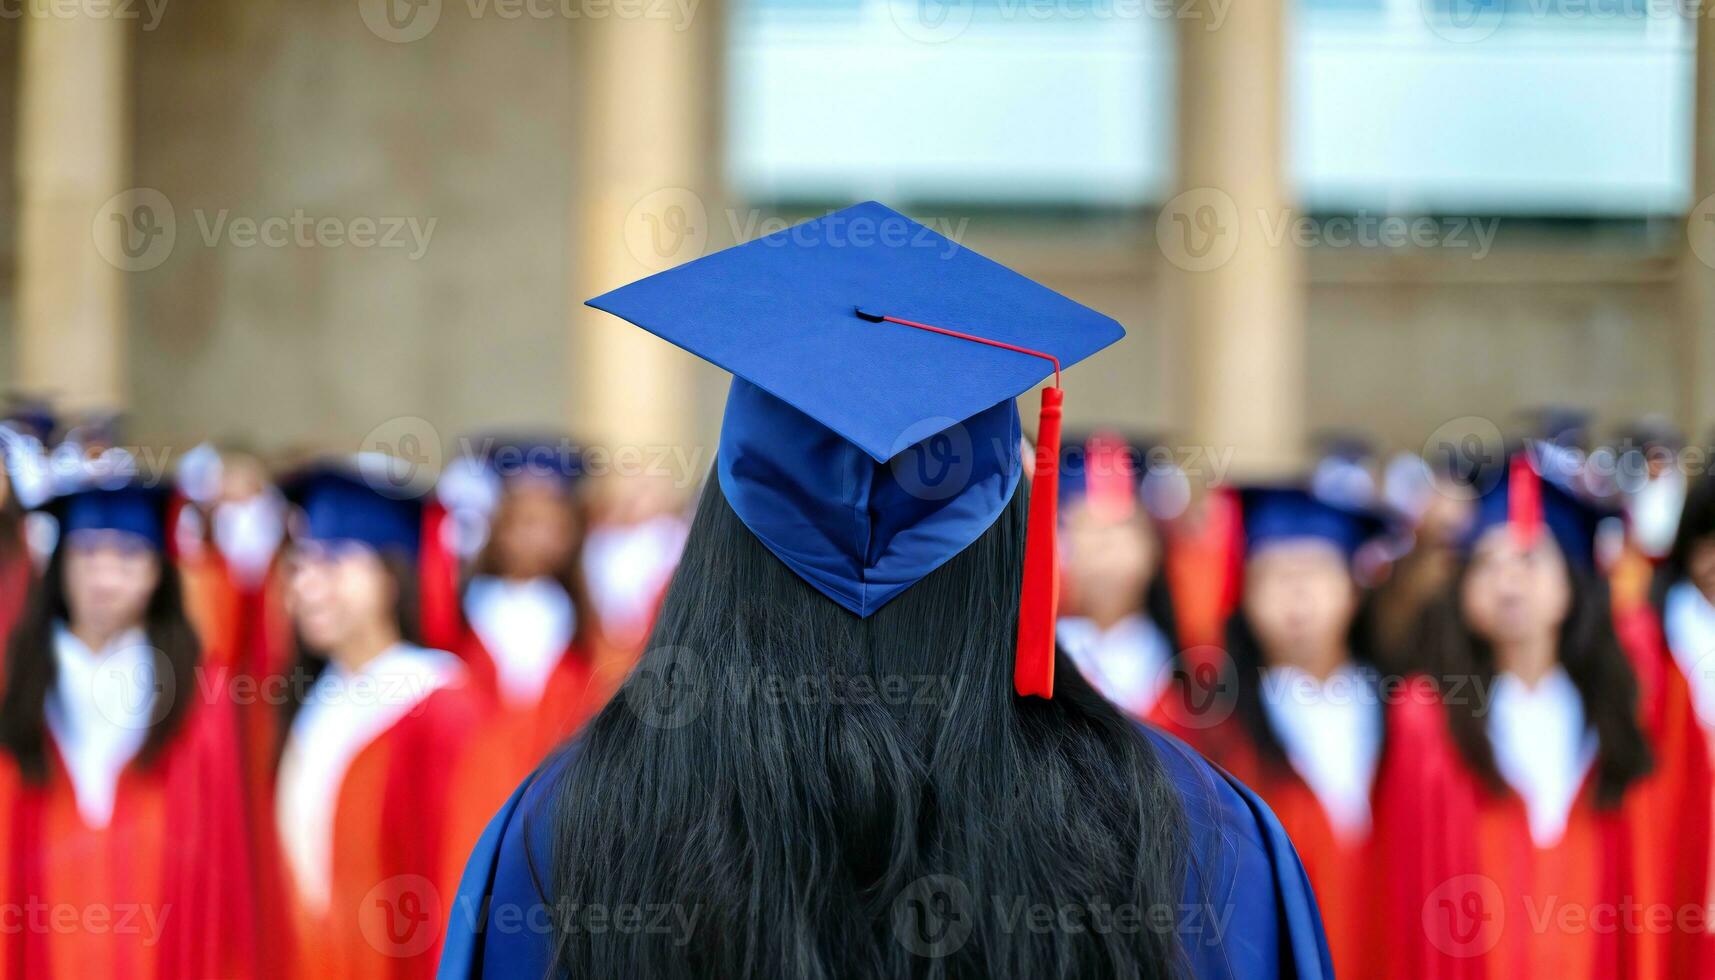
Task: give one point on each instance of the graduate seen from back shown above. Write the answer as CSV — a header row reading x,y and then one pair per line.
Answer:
x,y
851,747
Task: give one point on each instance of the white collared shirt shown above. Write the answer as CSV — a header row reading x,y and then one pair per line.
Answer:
x,y
1543,747
1128,662
344,713
526,627
1331,730
99,713
1688,619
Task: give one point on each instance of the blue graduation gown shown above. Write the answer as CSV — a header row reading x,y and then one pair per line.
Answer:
x,y
1243,867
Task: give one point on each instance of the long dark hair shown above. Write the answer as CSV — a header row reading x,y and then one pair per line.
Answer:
x,y
800,827
11,517
1158,598
31,669
1249,666
1588,649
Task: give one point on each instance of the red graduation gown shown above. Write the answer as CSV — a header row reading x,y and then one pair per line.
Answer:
x,y
1348,874
513,739
385,916
1678,798
1602,901
164,891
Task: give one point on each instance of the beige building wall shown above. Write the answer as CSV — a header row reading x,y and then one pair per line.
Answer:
x,y
251,112
258,111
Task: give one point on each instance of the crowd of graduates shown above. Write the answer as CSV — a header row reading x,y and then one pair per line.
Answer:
x,y
254,718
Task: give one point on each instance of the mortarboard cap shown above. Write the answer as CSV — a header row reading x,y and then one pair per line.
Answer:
x,y
870,432
133,508
340,502
1529,503
1273,514
545,456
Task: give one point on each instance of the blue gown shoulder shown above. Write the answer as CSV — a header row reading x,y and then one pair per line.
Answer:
x,y
1247,910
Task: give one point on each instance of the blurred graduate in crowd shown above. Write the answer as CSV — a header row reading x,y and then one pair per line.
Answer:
x,y
850,740
1308,720
120,788
1118,621
528,633
1561,767
1434,498
1686,590
366,771
637,526
1648,473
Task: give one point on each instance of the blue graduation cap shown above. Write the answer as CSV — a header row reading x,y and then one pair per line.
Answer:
x,y
1273,514
870,431
340,503
544,456
133,508
1529,502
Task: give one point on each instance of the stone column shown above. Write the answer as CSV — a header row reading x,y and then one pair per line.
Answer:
x,y
644,201
1697,267
72,161
1237,298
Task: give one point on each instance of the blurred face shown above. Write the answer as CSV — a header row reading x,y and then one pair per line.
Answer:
x,y
338,593
533,533
1700,566
108,578
1512,594
1300,600
1108,562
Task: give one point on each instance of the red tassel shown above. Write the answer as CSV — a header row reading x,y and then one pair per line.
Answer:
x,y
1524,502
1038,607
